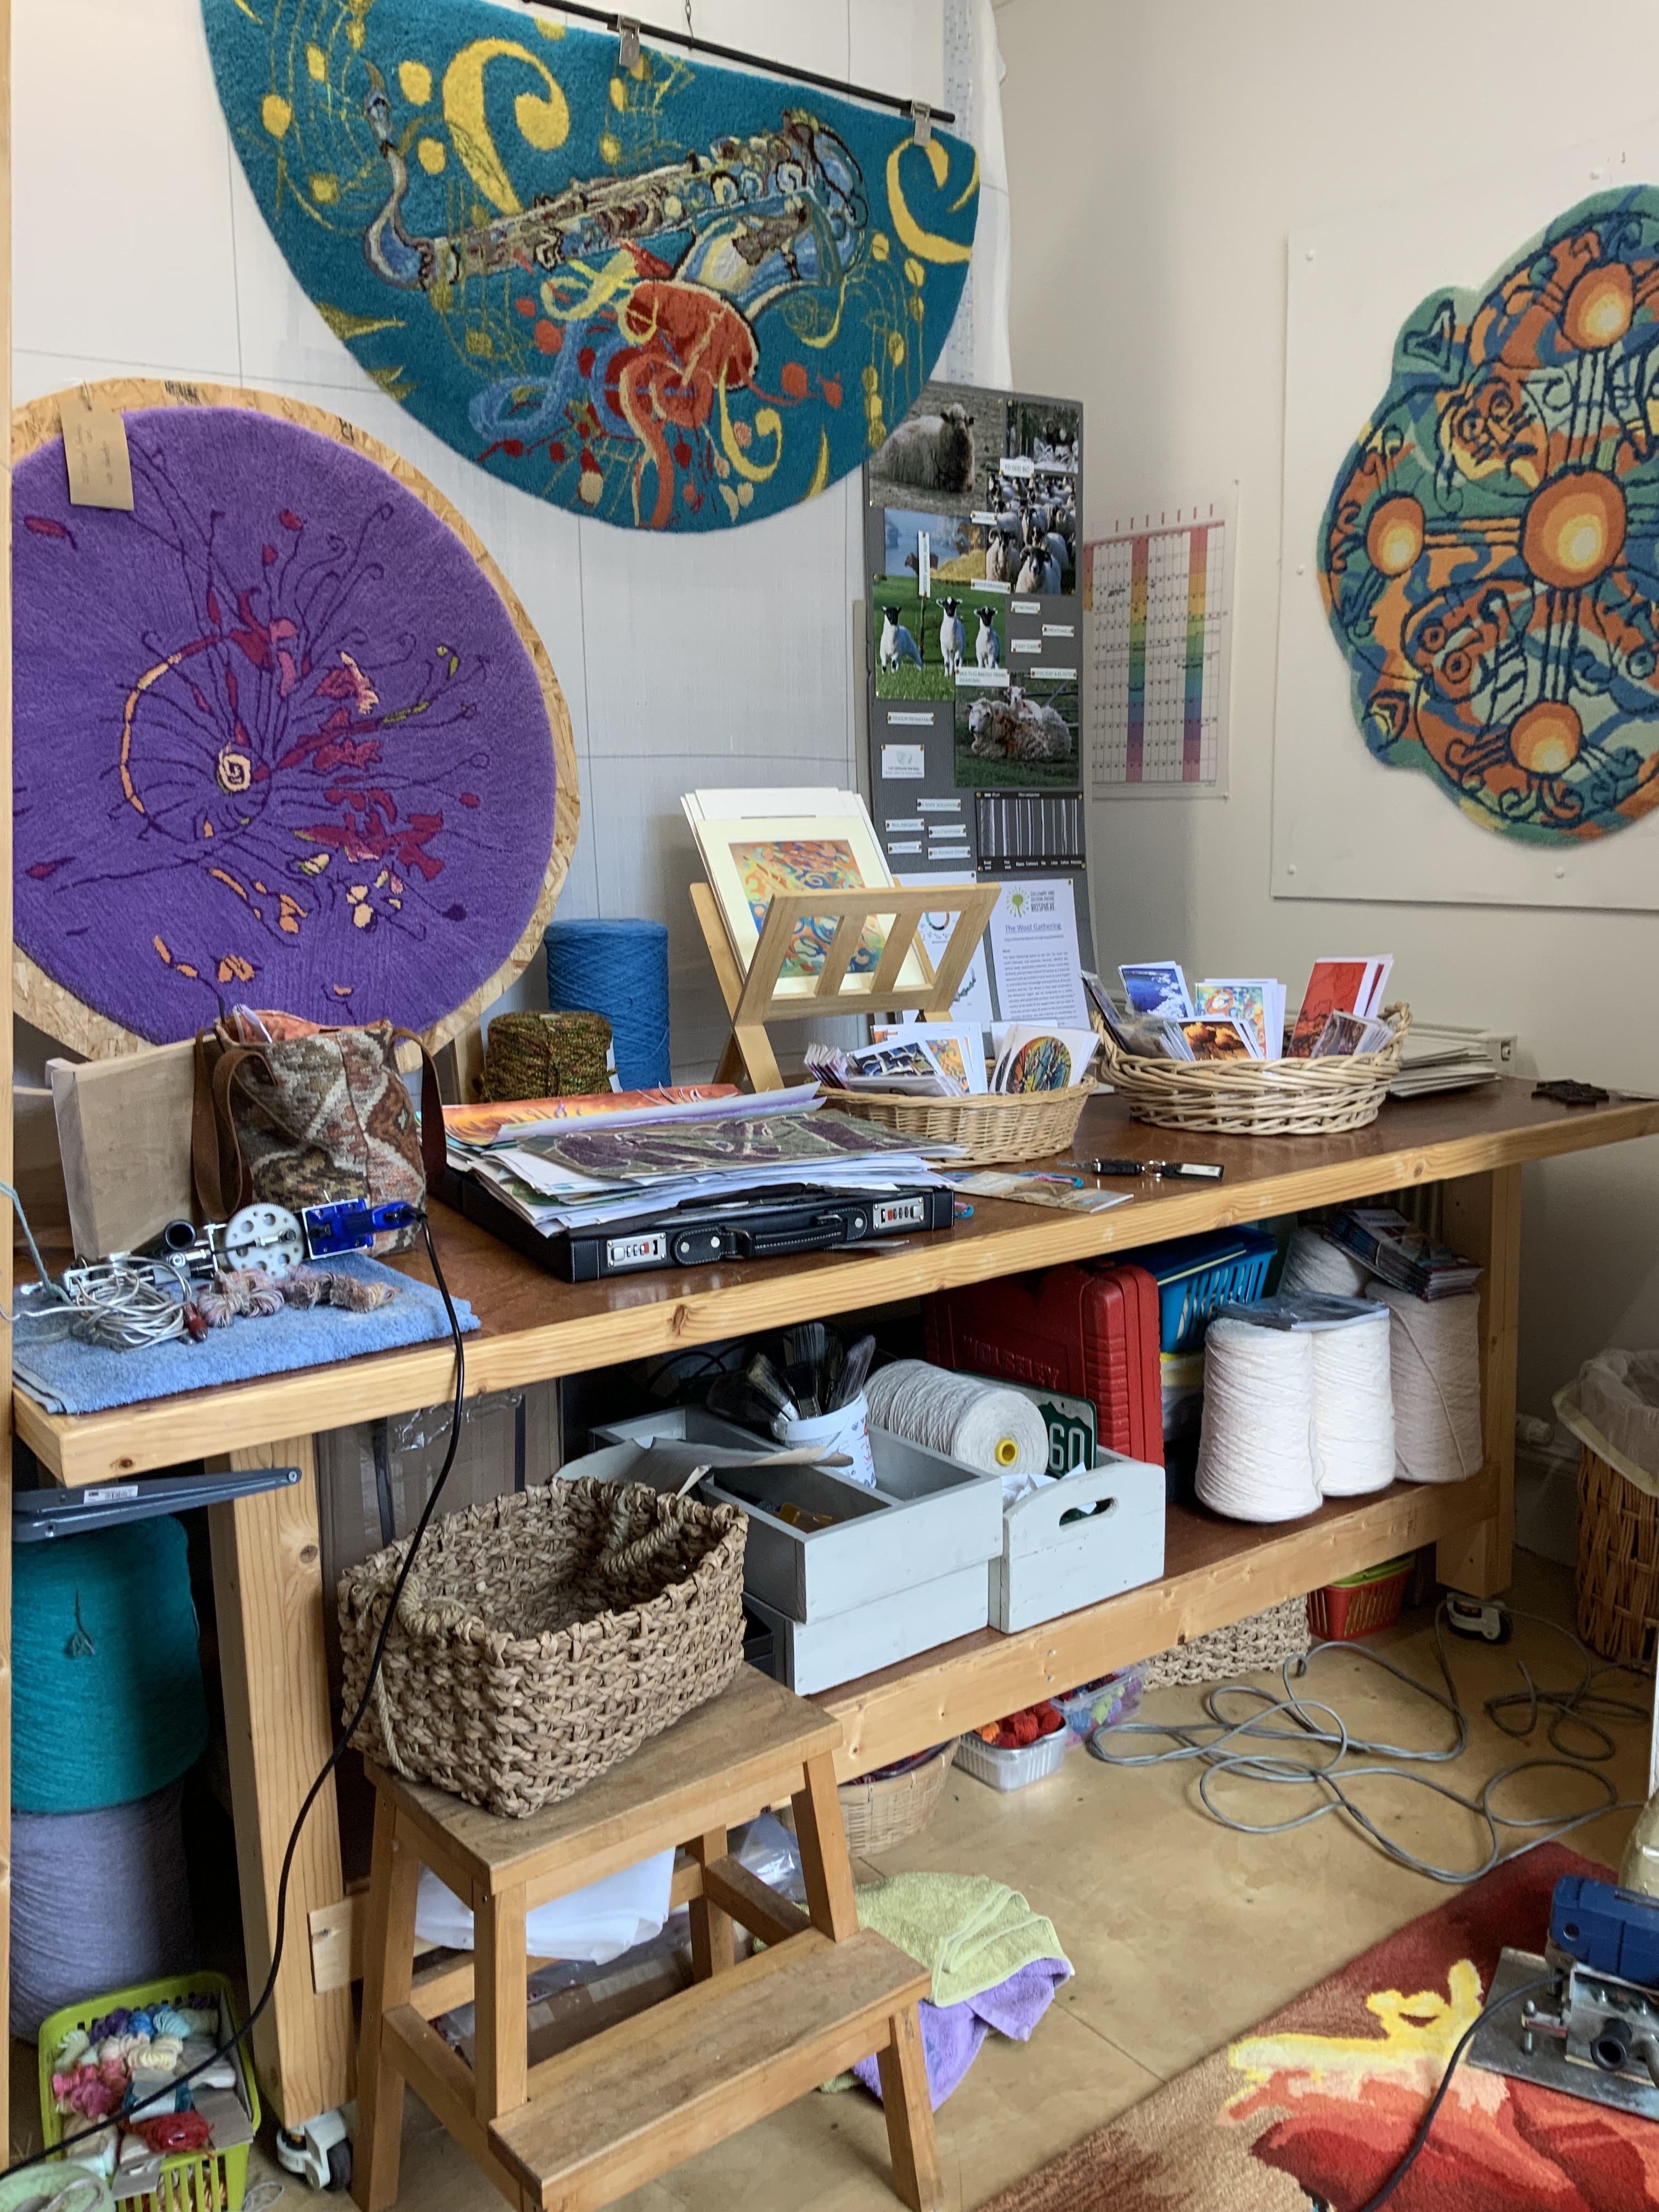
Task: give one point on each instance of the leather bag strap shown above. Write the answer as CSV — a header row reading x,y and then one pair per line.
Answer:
x,y
433,1147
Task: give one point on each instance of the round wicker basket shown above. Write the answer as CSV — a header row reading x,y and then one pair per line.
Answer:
x,y
1259,1097
999,1126
882,1809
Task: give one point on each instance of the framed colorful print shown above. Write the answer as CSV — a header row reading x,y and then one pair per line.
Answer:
x,y
750,857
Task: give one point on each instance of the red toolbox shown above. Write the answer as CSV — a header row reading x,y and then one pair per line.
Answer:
x,y
1088,1332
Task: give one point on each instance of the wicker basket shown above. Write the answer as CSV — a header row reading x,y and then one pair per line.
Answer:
x,y
991,1125
544,1637
1259,1097
1248,1647
880,1810
1618,1578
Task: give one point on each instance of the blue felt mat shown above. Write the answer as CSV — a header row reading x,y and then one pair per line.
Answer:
x,y
71,1377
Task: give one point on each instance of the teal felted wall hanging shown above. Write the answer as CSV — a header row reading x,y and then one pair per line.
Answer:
x,y
671,296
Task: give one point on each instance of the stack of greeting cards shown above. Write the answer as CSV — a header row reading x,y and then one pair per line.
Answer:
x,y
1241,1018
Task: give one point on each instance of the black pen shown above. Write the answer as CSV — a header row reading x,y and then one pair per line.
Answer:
x,y
1188,1170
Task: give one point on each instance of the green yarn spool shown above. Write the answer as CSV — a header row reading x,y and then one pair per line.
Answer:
x,y
106,1696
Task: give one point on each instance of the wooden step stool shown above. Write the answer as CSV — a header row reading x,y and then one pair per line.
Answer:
x,y
588,2125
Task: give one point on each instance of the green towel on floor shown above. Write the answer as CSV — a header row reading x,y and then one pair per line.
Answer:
x,y
969,1931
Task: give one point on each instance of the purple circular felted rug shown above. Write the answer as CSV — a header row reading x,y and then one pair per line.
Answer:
x,y
277,738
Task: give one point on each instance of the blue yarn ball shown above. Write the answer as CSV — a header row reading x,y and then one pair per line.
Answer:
x,y
619,970
106,1696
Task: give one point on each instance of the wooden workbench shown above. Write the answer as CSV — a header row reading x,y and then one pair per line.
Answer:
x,y
266,1553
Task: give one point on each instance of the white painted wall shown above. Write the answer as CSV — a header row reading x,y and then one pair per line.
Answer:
x,y
1158,157
730,659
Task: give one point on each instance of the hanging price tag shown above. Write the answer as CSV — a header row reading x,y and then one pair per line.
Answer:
x,y
95,450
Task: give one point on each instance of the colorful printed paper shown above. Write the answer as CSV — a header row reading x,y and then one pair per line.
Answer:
x,y
1490,556
673,296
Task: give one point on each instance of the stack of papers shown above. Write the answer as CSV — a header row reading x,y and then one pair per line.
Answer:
x,y
1381,1238
572,1174
1437,1056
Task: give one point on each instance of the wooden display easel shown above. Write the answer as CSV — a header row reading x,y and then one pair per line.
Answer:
x,y
753,1001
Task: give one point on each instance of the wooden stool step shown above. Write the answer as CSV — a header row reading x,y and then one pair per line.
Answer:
x,y
591,2123
614,2112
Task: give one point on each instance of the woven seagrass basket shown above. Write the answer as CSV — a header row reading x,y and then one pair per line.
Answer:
x,y
1258,1097
993,1126
543,1638
1618,1576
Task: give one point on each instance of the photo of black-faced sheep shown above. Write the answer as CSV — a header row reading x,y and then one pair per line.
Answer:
x,y
921,644
1020,737
1031,547
937,457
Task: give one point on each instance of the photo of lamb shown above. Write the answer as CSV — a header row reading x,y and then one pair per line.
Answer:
x,y
921,644
937,457
1024,736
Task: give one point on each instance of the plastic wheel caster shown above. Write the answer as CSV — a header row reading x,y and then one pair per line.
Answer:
x,y
339,2166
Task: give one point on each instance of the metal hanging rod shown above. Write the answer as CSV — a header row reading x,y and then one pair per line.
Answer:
x,y
625,25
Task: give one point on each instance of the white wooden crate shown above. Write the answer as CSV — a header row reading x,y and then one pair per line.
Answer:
x,y
817,1655
1050,1565
927,1518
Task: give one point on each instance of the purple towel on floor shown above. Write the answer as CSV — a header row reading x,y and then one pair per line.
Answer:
x,y
951,2034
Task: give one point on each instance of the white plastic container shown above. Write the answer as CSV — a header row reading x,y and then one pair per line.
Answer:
x,y
1012,1770
846,1429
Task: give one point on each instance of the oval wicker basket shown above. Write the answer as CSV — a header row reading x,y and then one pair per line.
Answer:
x,y
999,1126
543,1638
1259,1097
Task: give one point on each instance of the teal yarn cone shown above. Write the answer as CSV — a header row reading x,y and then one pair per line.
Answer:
x,y
106,1699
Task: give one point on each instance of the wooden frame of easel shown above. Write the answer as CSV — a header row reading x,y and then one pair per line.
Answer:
x,y
752,1000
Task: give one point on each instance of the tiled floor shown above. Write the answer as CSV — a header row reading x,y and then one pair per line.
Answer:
x,y
1183,1933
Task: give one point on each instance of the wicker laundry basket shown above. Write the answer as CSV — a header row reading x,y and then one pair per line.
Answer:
x,y
1258,1097
993,1127
1618,1579
543,1638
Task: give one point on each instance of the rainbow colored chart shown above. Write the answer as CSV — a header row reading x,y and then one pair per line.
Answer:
x,y
1157,600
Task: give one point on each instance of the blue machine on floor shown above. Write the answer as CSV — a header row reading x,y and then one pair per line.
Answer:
x,y
1593,2031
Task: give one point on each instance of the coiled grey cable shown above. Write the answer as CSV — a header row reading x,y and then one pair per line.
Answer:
x,y
1223,1746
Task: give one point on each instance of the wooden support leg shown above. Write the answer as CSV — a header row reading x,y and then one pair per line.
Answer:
x,y
501,2057
712,1942
823,1842
388,1974
1481,1217
268,1591
909,2112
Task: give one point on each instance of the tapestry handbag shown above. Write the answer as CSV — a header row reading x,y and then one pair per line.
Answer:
x,y
301,1116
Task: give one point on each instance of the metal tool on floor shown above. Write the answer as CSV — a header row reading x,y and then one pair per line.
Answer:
x,y
1593,2032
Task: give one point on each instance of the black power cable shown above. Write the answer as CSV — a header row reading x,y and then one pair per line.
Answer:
x,y
154,2103
1375,2202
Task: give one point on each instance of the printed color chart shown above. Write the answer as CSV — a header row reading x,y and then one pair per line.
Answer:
x,y
1157,604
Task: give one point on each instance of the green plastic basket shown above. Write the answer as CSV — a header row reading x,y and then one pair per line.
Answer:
x,y
191,2181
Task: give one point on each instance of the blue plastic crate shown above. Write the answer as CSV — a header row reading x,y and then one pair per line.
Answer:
x,y
1196,1275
